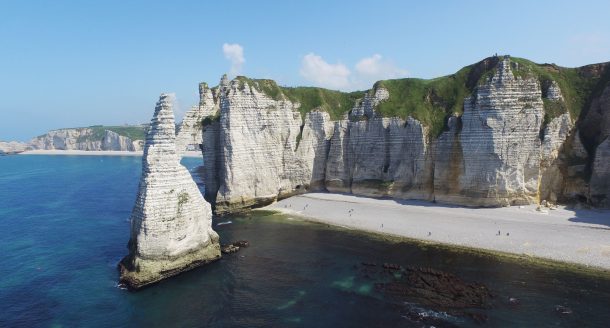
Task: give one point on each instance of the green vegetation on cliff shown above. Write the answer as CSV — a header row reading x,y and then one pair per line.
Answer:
x,y
336,103
433,101
577,85
133,132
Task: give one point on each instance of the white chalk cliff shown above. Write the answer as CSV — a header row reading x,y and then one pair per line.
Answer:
x,y
171,223
190,135
501,150
84,139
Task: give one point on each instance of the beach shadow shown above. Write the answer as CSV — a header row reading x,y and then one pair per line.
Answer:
x,y
591,216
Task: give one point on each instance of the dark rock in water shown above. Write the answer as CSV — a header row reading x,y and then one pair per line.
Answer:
x,y
563,309
479,318
234,246
229,249
513,301
241,243
391,266
434,289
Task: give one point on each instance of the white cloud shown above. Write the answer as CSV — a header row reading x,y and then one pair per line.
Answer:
x,y
367,71
377,68
318,71
235,54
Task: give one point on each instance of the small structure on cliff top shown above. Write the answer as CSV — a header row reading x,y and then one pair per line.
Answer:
x,y
171,223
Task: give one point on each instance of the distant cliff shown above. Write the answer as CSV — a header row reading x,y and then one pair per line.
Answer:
x,y
13,147
503,131
124,138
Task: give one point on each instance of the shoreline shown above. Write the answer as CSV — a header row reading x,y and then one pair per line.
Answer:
x,y
98,153
576,238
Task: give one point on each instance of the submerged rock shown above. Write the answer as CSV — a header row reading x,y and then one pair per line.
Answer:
x,y
234,247
426,288
171,223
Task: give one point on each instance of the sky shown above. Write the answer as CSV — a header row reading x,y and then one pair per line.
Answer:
x,y
81,63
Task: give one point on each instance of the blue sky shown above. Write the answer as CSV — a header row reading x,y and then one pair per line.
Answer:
x,y
80,63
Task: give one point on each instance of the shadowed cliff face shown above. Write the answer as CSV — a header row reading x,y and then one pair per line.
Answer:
x,y
512,142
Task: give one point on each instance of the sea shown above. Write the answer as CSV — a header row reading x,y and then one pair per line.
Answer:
x,y
64,226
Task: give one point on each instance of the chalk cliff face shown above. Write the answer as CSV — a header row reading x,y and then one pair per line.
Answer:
x,y
500,143
507,147
597,127
171,223
13,147
84,139
189,135
257,137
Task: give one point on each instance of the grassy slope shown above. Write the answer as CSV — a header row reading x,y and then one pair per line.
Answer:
x,y
336,103
429,101
135,132
575,87
433,101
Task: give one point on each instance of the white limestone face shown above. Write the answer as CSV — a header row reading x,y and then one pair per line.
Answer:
x,y
553,92
500,142
258,138
551,177
190,135
366,107
171,223
313,147
495,154
82,139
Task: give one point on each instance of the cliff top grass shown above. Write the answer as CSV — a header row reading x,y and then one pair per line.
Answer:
x,y
432,101
335,103
577,85
133,132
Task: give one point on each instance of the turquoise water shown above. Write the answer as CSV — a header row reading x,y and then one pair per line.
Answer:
x,y
64,226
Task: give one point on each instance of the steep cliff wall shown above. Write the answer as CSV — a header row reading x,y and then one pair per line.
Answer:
x,y
91,138
171,223
189,135
509,140
596,128
500,142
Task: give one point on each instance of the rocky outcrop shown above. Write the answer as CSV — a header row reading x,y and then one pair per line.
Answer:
x,y
190,136
367,105
171,223
84,139
504,149
552,91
